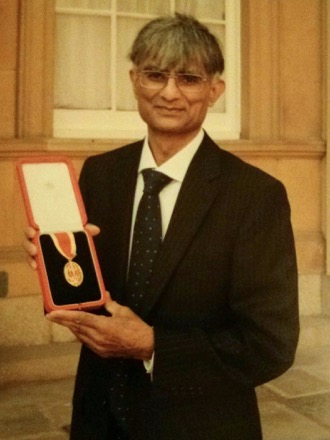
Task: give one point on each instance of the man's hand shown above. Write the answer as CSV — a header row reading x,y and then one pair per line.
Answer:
x,y
123,334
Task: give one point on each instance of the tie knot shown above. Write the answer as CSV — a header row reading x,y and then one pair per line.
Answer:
x,y
154,181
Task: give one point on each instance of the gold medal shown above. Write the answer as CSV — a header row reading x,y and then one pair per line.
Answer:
x,y
65,244
73,273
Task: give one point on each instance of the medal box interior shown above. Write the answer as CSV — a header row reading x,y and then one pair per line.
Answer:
x,y
68,268
71,281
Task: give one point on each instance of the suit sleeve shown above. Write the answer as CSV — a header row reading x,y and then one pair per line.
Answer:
x,y
261,340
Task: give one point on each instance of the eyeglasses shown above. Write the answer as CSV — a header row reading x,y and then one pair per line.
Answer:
x,y
186,82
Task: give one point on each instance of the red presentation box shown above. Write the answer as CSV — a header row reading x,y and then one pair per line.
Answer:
x,y
68,267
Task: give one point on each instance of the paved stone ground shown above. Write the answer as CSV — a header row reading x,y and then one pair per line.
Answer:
x,y
36,410
293,407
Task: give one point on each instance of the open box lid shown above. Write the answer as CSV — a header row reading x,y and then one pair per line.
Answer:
x,y
51,194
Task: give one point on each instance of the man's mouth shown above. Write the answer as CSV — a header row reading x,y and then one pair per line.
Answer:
x,y
169,109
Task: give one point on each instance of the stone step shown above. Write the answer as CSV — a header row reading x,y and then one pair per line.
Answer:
x,y
314,331
38,362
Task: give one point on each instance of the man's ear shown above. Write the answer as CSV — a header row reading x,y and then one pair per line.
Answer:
x,y
217,89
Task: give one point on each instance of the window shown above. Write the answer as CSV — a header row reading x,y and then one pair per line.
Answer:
x,y
93,96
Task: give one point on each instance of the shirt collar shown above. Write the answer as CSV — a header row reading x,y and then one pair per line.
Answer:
x,y
176,167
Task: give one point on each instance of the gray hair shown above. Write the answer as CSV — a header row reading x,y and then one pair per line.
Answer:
x,y
177,41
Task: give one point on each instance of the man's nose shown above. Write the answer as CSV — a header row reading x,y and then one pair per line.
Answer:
x,y
171,89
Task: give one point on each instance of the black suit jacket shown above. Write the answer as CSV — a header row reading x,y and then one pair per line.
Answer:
x,y
222,301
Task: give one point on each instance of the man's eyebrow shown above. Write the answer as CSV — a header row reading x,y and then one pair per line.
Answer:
x,y
189,71
152,67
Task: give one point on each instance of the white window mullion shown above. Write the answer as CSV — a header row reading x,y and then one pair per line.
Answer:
x,y
113,42
233,63
172,6
82,11
135,15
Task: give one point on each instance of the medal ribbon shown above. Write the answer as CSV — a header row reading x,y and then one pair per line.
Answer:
x,y
65,243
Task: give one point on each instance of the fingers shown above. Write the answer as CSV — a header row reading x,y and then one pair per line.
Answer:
x,y
72,318
118,311
29,232
111,307
85,319
88,328
32,262
30,248
108,296
93,229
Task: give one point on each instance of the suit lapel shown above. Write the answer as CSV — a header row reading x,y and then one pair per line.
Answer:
x,y
123,198
199,189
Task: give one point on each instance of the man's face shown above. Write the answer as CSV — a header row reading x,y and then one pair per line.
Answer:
x,y
173,110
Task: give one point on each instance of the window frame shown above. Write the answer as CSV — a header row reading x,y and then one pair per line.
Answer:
x,y
114,124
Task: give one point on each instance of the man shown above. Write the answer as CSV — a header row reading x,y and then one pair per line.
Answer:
x,y
218,315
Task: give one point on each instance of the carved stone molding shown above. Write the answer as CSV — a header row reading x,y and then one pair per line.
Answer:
x,y
10,149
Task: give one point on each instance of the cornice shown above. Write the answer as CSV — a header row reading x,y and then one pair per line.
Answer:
x,y
12,148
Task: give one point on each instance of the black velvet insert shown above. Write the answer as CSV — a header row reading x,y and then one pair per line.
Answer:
x,y
61,291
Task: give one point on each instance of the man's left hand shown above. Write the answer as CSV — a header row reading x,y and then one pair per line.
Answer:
x,y
123,334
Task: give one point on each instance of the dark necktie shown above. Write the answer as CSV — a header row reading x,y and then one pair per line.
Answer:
x,y
147,236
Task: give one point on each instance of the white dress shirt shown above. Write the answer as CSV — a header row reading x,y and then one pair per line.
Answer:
x,y
176,168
